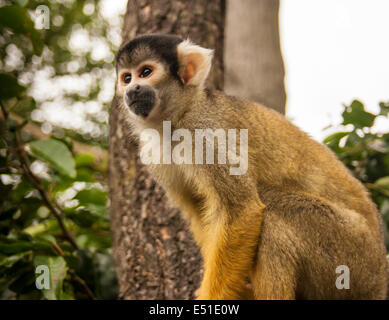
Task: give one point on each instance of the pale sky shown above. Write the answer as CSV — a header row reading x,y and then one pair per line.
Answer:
x,y
334,51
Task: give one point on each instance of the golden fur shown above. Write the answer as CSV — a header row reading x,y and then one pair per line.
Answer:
x,y
288,222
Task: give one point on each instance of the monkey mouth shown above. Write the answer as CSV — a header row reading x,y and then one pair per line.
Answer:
x,y
135,102
141,107
141,100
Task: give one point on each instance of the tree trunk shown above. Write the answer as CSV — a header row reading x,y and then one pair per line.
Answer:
x,y
155,255
254,68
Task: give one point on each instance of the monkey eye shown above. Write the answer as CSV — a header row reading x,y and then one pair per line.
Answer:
x,y
146,71
126,77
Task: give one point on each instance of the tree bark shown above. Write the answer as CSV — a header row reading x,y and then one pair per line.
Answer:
x,y
155,255
254,67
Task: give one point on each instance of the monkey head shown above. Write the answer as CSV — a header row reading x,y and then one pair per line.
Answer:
x,y
157,74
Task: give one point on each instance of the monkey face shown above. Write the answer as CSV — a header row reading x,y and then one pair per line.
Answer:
x,y
155,73
138,85
145,68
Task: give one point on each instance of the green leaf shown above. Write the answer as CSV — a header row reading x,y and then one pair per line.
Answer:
x,y
23,246
337,136
353,139
48,238
66,296
58,269
9,86
382,183
333,140
83,217
93,195
55,153
11,260
100,210
16,18
84,159
384,108
24,106
85,174
21,2
37,43
40,228
356,115
384,209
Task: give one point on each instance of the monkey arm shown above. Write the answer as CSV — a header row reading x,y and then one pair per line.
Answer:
x,y
226,215
229,251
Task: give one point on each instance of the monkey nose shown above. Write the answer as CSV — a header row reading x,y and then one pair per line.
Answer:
x,y
134,92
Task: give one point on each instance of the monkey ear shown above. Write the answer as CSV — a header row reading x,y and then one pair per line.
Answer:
x,y
195,63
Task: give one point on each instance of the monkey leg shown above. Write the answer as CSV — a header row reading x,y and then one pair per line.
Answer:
x,y
230,253
273,277
304,239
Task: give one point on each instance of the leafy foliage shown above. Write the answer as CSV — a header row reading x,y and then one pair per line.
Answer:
x,y
68,67
53,201
365,153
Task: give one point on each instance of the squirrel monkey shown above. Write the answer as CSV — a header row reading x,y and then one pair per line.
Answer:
x,y
293,221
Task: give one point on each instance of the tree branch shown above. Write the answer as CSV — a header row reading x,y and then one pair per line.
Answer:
x,y
36,182
38,185
75,278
